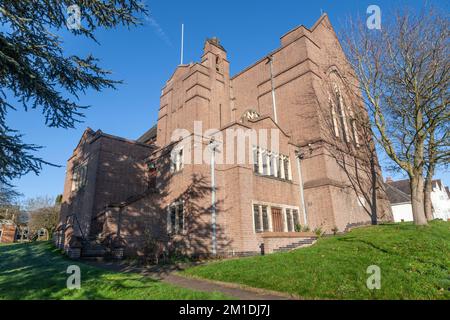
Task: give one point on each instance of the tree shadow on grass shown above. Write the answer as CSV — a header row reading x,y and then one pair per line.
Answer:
x,y
368,243
31,271
392,253
38,271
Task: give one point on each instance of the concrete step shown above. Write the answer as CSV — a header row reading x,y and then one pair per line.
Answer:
x,y
95,259
93,253
92,249
295,245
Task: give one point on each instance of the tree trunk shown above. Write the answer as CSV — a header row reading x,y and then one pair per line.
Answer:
x,y
374,213
427,199
429,176
417,200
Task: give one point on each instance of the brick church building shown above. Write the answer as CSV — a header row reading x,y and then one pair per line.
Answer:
x,y
120,193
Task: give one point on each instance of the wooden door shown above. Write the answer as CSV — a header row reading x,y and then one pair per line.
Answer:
x,y
277,220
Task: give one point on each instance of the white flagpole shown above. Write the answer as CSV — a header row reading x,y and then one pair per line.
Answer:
x,y
182,42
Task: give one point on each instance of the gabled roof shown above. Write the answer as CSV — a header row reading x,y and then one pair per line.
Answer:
x,y
6,221
395,195
402,185
438,183
319,21
148,135
90,136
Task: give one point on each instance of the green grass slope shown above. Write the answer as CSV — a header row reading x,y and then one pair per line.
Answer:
x,y
38,271
414,263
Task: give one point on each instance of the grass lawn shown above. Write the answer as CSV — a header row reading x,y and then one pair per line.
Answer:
x,y
414,264
38,271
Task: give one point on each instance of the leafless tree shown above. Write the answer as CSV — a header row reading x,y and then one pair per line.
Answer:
x,y
38,202
348,140
44,218
43,212
437,154
403,74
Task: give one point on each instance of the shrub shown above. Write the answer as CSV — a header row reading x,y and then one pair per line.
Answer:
x,y
318,231
305,229
298,227
154,249
335,230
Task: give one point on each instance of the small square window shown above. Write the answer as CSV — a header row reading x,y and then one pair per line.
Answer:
x,y
175,223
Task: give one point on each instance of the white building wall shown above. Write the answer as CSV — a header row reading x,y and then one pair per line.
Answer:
x,y
402,212
441,203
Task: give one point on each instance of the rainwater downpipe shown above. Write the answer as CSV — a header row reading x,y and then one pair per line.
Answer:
x,y
274,102
213,146
299,157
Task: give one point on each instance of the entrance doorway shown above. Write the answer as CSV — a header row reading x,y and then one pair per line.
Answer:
x,y
277,220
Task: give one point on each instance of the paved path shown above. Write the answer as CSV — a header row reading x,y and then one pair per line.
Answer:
x,y
167,273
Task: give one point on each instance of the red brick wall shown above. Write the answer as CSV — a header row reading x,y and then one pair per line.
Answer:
x,y
115,171
198,92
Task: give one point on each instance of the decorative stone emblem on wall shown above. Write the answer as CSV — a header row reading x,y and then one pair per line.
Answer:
x,y
250,115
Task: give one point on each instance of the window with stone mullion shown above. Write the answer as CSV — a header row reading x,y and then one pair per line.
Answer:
x,y
289,220
257,218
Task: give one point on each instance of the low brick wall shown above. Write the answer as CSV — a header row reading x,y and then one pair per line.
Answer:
x,y
276,240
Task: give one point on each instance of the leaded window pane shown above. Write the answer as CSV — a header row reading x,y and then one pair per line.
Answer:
x,y
295,216
257,218
180,218
256,160
173,217
286,168
289,220
265,218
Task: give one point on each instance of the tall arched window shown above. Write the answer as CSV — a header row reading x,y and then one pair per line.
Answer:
x,y
342,115
339,114
354,129
333,117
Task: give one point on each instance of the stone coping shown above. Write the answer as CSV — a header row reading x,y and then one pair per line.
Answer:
x,y
288,235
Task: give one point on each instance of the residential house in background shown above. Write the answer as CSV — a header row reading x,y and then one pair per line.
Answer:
x,y
8,231
399,193
440,198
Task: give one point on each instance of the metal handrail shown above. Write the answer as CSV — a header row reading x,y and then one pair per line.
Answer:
x,y
79,227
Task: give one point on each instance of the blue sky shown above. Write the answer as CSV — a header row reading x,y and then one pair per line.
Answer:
x,y
145,57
